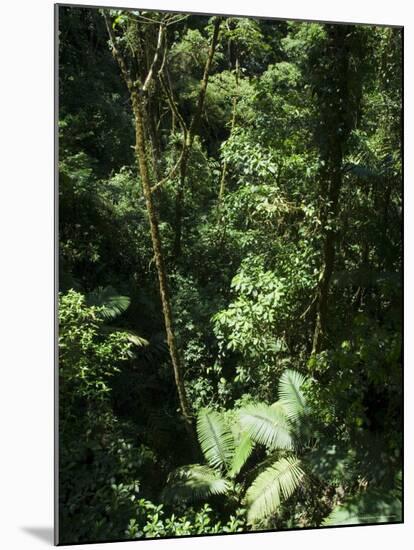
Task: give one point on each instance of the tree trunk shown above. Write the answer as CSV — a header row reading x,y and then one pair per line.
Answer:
x,y
159,260
334,108
319,336
137,100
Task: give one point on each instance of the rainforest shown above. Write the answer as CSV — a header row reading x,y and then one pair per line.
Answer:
x,y
230,274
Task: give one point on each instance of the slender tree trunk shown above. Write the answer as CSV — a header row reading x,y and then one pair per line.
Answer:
x,y
159,260
319,336
137,100
333,108
339,105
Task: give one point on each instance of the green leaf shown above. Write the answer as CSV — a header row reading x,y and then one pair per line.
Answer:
x,y
276,483
266,425
132,336
216,439
111,304
241,454
194,482
291,395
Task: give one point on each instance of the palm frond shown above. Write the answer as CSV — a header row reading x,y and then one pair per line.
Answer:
x,y
242,452
266,425
276,483
157,351
132,336
279,407
194,482
216,439
111,303
291,395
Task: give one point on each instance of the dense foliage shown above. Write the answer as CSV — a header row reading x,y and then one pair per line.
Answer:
x,y
230,306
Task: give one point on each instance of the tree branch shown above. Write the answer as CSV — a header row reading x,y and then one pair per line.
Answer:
x,y
117,54
190,139
172,104
155,59
203,88
172,171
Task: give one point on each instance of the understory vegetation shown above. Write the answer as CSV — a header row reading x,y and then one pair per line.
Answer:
x,y
230,274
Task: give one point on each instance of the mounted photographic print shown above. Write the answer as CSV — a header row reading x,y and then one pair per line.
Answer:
x,y
230,274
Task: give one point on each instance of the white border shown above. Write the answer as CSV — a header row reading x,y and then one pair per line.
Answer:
x,y
26,233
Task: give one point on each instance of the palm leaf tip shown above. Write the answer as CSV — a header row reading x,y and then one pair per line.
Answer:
x,y
242,452
267,426
135,338
132,336
194,482
276,483
291,395
216,439
111,303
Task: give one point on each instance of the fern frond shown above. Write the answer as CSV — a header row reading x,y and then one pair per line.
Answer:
x,y
266,425
216,439
194,482
276,483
